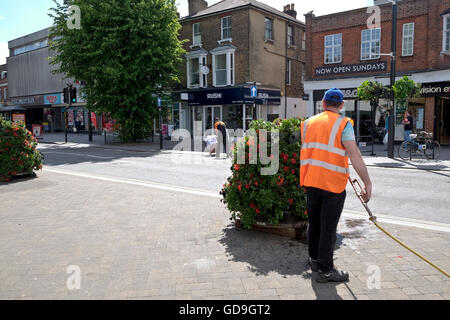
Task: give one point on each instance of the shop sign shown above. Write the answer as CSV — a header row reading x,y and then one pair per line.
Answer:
x,y
53,98
34,100
18,117
352,68
435,89
233,96
349,94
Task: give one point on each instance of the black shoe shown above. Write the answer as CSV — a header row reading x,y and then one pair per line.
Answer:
x,y
332,276
313,264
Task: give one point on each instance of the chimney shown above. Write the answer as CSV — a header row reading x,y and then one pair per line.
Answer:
x,y
197,6
290,10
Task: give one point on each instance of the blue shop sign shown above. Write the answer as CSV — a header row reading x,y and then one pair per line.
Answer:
x,y
241,95
55,98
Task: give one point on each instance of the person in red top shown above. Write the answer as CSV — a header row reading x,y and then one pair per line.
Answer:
x,y
328,141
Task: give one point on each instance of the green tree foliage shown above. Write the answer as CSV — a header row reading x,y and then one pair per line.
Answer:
x,y
126,51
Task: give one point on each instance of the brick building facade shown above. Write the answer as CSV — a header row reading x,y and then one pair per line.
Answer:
x,y
342,52
230,46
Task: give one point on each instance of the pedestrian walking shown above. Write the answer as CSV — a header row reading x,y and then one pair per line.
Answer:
x,y
386,128
408,122
221,132
328,141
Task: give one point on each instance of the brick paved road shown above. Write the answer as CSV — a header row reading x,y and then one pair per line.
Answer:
x,y
138,242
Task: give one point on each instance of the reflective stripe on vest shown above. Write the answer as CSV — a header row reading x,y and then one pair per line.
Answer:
x,y
330,147
325,165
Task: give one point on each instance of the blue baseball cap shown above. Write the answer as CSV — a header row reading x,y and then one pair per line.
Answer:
x,y
334,95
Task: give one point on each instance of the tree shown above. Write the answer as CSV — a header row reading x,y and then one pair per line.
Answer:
x,y
127,52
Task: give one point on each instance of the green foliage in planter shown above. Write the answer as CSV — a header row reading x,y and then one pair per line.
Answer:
x,y
17,150
251,196
371,90
405,89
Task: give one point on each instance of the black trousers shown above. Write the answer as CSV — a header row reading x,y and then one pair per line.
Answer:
x,y
324,210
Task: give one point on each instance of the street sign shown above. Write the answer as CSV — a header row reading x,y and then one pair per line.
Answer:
x,y
159,102
204,70
254,92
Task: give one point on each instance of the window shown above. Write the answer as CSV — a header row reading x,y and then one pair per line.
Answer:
x,y
226,28
446,33
290,35
288,71
303,73
268,33
196,33
370,44
223,68
4,73
408,39
195,79
333,48
304,41
31,47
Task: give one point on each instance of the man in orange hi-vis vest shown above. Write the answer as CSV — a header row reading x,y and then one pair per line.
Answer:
x,y
328,141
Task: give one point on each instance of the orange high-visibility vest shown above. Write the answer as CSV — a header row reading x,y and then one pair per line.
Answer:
x,y
324,160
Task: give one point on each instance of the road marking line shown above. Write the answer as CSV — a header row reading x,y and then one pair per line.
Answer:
x,y
138,183
429,225
80,155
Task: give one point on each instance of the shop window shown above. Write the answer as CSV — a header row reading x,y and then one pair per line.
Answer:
x,y
408,39
370,44
333,48
226,28
268,29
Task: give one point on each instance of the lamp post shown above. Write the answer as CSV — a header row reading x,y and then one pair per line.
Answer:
x,y
391,131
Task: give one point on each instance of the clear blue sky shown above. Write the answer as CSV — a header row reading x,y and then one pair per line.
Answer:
x,y
21,17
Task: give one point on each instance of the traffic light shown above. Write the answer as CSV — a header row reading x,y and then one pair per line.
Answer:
x,y
66,95
73,95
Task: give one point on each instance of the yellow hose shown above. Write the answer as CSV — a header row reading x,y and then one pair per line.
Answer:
x,y
374,220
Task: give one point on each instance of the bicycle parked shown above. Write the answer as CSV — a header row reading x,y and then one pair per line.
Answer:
x,y
421,144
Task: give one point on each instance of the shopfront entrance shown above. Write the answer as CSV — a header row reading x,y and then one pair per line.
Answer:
x,y
443,121
210,113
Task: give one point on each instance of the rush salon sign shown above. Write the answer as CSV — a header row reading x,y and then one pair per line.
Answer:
x,y
352,68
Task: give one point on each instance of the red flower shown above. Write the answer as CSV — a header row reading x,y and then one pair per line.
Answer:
x,y
293,171
257,211
239,187
293,161
252,205
286,169
236,167
291,201
247,186
306,213
256,183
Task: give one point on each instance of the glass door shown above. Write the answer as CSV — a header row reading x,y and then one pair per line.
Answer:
x,y
210,113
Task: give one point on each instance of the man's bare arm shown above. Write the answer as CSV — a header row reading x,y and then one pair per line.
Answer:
x,y
359,166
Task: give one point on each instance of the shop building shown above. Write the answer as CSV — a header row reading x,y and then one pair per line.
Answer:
x,y
232,45
343,52
34,87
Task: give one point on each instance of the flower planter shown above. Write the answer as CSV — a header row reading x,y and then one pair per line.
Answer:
x,y
290,227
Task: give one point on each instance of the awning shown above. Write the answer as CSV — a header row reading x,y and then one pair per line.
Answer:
x,y
11,108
